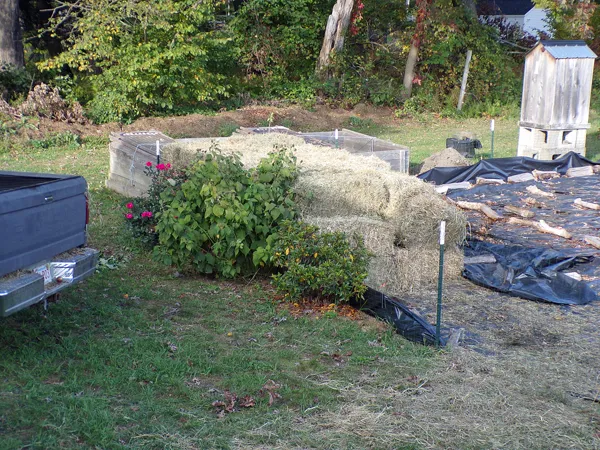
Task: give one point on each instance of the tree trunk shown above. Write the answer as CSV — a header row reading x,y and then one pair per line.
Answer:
x,y
11,39
409,70
415,44
337,25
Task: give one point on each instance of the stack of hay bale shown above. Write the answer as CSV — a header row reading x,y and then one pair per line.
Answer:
x,y
398,215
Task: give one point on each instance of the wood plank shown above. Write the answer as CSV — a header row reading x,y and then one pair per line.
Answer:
x,y
537,191
527,176
545,174
480,259
481,180
517,211
584,171
586,205
444,188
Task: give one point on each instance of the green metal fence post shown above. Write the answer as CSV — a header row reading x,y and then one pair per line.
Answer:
x,y
438,325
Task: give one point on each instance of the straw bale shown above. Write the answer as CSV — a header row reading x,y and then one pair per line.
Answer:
x,y
393,270
252,148
378,235
416,210
408,269
331,193
398,215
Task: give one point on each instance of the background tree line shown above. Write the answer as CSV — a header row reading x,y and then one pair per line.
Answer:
x,y
126,58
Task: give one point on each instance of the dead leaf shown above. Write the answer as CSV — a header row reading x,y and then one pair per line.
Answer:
x,y
247,402
270,388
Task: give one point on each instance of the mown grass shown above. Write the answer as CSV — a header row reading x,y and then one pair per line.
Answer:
x,y
135,356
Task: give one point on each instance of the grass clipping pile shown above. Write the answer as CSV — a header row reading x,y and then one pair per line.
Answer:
x,y
398,215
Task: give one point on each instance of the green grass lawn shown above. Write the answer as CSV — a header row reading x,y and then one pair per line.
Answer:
x,y
135,356
140,357
428,135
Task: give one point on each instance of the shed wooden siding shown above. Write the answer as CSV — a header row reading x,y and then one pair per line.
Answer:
x,y
556,92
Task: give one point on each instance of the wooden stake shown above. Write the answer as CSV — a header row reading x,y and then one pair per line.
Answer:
x,y
463,86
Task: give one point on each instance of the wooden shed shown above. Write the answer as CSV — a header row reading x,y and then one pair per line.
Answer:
x,y
555,106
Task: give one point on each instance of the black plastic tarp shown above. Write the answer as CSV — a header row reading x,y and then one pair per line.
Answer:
x,y
530,264
407,322
532,273
502,168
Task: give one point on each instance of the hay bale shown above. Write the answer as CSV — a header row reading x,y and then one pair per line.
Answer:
x,y
253,148
331,193
393,270
416,211
398,215
409,269
378,235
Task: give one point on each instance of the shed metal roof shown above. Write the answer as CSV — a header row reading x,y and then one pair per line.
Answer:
x,y
568,49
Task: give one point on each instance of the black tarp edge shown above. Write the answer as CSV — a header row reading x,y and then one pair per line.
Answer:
x,y
502,168
407,322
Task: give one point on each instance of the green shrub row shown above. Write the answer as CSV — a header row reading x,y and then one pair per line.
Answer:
x,y
217,217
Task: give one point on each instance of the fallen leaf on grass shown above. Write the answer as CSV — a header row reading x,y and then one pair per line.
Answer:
x,y
270,388
247,402
227,406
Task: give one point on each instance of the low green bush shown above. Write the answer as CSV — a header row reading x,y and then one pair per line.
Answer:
x,y
59,139
328,266
221,219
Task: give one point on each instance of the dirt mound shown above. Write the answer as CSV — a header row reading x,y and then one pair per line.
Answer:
x,y
446,158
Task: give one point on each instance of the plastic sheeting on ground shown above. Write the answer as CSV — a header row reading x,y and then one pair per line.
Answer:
x,y
502,168
532,273
531,264
407,322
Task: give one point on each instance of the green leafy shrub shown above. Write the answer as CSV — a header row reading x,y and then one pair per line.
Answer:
x,y
222,217
136,58
278,44
14,81
319,265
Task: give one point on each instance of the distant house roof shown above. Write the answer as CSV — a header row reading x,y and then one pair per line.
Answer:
x,y
568,49
509,7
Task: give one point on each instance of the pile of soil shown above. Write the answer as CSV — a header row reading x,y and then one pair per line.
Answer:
x,y
446,158
319,118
